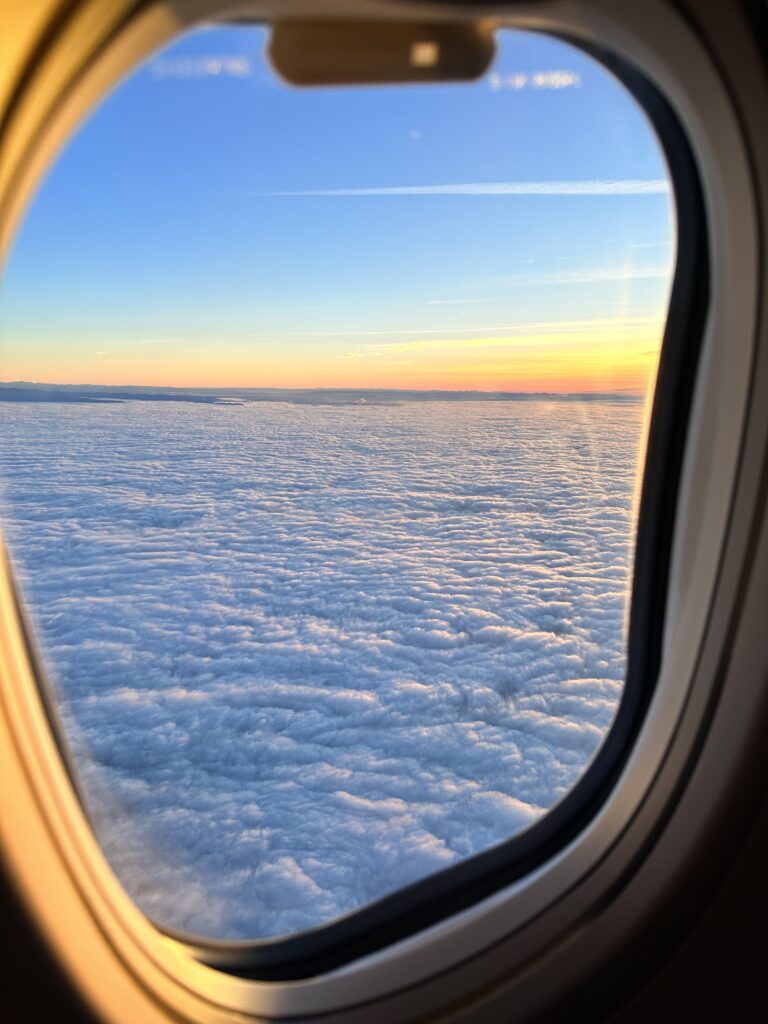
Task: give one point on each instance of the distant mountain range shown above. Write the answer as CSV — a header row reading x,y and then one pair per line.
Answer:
x,y
21,391
25,391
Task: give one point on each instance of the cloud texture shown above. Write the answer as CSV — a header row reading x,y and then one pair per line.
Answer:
x,y
308,654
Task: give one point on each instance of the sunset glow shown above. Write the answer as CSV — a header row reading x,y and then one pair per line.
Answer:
x,y
210,227
600,356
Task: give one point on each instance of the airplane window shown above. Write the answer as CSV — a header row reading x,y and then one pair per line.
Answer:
x,y
323,418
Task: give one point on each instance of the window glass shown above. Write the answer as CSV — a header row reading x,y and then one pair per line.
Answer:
x,y
322,420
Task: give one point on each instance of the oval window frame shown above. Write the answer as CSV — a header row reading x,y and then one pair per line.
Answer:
x,y
584,24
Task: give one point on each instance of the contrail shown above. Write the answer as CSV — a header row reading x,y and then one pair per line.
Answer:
x,y
625,187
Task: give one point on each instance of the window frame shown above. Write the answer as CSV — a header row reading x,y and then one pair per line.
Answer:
x,y
597,842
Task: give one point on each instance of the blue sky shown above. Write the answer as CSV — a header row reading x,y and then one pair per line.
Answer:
x,y
159,251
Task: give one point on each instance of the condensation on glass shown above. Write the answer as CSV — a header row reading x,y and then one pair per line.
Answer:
x,y
323,414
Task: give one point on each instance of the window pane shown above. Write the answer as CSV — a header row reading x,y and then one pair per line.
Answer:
x,y
322,426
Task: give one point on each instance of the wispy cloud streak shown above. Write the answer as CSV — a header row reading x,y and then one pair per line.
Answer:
x,y
590,275
514,334
625,187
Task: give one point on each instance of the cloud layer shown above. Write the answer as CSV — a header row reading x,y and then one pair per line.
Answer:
x,y
308,654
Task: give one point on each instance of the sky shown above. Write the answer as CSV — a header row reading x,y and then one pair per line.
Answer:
x,y
210,226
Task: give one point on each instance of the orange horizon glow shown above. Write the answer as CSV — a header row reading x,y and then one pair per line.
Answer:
x,y
609,355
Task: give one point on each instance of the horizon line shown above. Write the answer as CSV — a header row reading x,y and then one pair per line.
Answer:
x,y
298,388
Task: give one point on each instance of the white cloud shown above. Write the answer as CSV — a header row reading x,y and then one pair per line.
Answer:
x,y
308,655
612,187
559,78
204,66
590,275
665,244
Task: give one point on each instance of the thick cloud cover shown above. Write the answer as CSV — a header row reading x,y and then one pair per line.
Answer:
x,y
307,653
